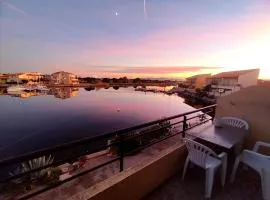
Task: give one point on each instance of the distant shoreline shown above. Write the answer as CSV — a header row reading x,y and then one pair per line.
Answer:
x,y
83,85
111,84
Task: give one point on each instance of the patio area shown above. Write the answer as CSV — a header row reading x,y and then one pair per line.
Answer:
x,y
245,187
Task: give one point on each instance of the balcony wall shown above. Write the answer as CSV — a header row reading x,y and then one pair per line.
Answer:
x,y
136,182
253,105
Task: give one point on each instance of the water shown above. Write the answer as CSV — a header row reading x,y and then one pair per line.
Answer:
x,y
67,114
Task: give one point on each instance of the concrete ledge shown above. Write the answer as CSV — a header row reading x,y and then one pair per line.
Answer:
x,y
136,182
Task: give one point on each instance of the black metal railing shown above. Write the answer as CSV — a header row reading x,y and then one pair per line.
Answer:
x,y
125,142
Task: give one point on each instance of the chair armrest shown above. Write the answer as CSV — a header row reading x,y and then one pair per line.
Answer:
x,y
255,160
223,157
258,144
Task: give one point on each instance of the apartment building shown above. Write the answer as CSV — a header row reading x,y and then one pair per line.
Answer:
x,y
228,82
197,81
62,78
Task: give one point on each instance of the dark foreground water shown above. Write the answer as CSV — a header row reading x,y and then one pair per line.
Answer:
x,y
63,115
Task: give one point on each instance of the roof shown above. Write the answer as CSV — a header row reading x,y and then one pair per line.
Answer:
x,y
198,75
4,76
61,72
233,74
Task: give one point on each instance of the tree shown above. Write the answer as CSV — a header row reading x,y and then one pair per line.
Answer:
x,y
115,80
182,85
200,93
198,90
207,88
105,80
125,79
136,80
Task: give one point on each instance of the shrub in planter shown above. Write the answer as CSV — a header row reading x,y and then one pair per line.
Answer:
x,y
30,165
53,176
130,145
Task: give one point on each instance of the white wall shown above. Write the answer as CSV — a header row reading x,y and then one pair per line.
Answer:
x,y
216,93
249,79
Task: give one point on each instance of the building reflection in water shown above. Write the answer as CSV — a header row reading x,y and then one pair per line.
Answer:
x,y
61,92
23,94
64,92
3,91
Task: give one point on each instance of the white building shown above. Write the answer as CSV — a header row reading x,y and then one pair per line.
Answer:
x,y
20,77
30,76
228,82
62,78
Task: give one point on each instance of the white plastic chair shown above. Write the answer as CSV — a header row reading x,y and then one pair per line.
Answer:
x,y
235,122
207,159
259,162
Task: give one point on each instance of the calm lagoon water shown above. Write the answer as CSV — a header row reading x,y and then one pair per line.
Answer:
x,y
66,114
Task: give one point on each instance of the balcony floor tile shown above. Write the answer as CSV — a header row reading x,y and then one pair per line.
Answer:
x,y
246,187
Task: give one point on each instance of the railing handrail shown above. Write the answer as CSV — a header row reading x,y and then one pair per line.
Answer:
x,y
41,152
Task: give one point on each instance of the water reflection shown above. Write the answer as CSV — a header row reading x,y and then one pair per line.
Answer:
x,y
3,91
61,92
43,121
89,88
68,92
116,87
64,92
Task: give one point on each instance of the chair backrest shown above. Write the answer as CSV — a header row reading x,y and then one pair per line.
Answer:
x,y
235,122
197,152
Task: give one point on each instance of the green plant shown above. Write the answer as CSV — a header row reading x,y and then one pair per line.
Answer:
x,y
53,175
165,127
33,164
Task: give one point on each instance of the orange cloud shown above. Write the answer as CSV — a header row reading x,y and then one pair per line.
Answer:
x,y
162,70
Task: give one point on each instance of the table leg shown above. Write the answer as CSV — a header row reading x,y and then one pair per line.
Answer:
x,y
238,148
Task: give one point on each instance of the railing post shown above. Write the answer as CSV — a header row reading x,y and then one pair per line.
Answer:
x,y
214,113
121,153
184,126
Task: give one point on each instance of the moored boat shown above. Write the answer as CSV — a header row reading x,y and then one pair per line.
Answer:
x,y
16,88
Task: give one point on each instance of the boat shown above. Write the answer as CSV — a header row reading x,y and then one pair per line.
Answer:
x,y
41,88
16,88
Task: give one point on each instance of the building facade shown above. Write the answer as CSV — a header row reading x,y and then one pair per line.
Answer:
x,y
63,78
3,78
29,76
197,81
21,77
226,83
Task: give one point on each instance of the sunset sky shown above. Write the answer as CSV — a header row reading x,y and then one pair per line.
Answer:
x,y
166,38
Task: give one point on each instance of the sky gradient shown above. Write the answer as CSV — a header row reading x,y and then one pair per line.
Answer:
x,y
172,38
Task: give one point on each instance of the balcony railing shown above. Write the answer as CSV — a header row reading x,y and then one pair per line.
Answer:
x,y
126,141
